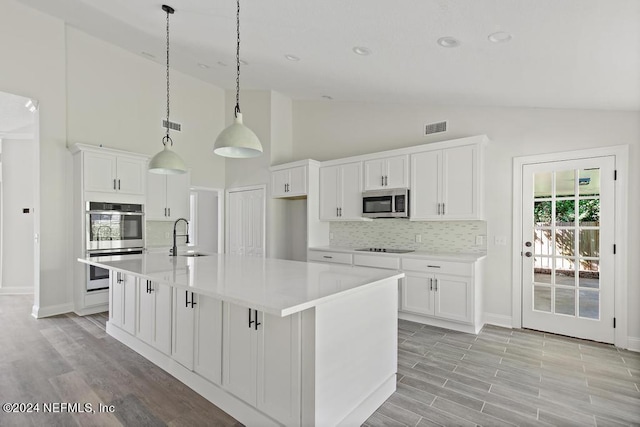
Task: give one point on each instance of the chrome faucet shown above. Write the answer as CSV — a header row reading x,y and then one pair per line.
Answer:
x,y
174,249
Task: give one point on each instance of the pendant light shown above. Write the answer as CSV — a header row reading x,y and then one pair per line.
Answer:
x,y
167,162
237,140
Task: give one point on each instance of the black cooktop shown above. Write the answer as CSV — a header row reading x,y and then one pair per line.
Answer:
x,y
390,251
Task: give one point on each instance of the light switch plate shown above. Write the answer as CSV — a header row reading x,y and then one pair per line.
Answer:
x,y
501,241
418,238
479,240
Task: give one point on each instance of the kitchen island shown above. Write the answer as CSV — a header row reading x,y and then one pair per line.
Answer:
x,y
271,342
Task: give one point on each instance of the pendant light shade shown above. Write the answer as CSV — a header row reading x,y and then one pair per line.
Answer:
x,y
237,140
167,162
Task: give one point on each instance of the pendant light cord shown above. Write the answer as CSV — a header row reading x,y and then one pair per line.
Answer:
x,y
238,60
167,138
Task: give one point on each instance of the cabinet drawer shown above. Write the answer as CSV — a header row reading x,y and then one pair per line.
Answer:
x,y
379,261
334,257
444,267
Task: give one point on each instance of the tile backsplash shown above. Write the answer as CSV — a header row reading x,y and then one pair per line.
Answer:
x,y
437,236
157,232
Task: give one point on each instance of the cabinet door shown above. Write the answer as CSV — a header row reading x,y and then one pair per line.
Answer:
x,y
453,298
350,199
279,181
239,353
208,357
99,172
183,322
329,192
425,185
178,196
130,303
278,372
297,181
397,172
162,317
459,189
156,206
146,313
131,175
417,295
116,299
374,173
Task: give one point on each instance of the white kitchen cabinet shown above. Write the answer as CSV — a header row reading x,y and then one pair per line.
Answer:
x,y
197,333
110,173
443,296
262,361
446,184
167,197
122,301
389,172
341,192
290,182
154,315
329,257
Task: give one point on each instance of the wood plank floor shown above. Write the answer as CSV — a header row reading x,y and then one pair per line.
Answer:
x,y
500,377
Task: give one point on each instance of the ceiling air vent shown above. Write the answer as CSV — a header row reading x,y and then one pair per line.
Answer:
x,y
172,125
435,128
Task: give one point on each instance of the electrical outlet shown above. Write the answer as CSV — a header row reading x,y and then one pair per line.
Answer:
x,y
501,241
479,240
418,238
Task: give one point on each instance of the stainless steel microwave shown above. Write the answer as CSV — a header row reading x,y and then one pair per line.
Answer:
x,y
391,203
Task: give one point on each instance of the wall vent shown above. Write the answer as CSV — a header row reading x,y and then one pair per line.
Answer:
x,y
435,128
172,125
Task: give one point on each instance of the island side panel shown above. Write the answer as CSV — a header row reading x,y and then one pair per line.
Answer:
x,y
355,354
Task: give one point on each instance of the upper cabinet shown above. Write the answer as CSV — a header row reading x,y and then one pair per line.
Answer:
x,y
341,192
446,184
289,182
388,172
107,172
167,197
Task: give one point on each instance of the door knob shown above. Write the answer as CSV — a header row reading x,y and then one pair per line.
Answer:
x,y
527,254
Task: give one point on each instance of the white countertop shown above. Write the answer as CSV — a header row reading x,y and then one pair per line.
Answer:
x,y
273,286
436,256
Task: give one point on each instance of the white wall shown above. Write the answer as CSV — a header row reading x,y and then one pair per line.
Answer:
x,y
18,167
329,130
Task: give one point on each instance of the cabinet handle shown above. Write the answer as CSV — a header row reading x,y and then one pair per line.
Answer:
x,y
186,299
169,210
250,320
382,180
443,209
119,278
436,288
337,211
430,284
340,209
118,184
151,288
433,266
193,301
327,256
256,322
386,180
114,184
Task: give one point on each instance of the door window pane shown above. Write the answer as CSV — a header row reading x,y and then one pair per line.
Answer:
x,y
565,212
542,298
589,276
565,183
543,242
589,182
565,242
565,301
564,273
589,243
589,212
542,214
542,269
589,304
542,185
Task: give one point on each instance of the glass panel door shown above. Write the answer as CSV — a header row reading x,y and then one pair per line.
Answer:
x,y
567,248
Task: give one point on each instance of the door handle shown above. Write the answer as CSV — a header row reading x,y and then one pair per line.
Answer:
x,y
527,244
527,254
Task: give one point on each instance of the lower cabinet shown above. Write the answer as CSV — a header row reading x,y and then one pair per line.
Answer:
x,y
262,361
122,301
197,334
154,315
443,296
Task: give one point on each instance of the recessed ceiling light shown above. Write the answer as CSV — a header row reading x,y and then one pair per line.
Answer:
x,y
148,55
327,97
203,66
448,42
292,58
499,37
222,64
361,50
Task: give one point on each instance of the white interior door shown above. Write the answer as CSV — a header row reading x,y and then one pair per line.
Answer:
x,y
568,247
246,222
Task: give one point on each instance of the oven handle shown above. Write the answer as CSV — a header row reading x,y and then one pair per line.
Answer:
x,y
101,252
115,212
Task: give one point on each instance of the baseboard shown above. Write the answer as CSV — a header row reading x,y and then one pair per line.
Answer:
x,y
52,310
92,310
498,320
446,324
633,344
361,413
16,290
